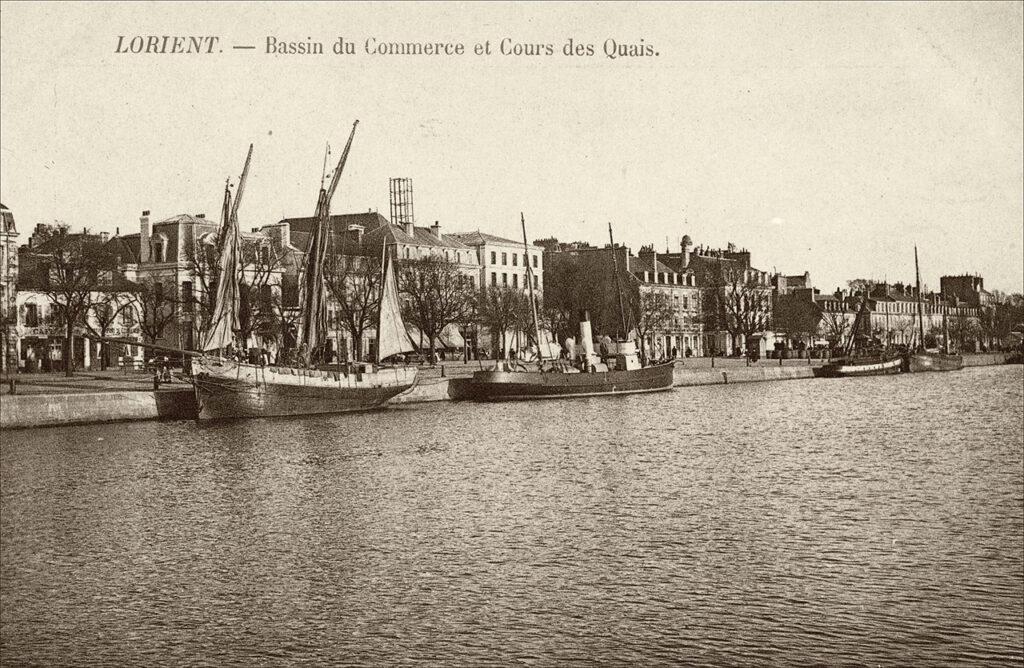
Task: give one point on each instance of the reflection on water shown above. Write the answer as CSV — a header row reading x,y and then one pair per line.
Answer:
x,y
874,520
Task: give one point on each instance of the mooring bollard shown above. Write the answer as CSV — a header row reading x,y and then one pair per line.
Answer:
x,y
712,361
780,359
442,371
14,389
156,380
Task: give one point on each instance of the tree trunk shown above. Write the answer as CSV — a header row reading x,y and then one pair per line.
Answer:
x,y
69,350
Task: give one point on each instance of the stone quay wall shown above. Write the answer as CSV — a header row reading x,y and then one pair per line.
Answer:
x,y
48,410
52,409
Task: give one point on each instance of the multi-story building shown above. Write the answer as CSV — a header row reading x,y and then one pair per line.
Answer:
x,y
744,296
681,333
966,289
503,261
40,333
175,257
8,287
893,317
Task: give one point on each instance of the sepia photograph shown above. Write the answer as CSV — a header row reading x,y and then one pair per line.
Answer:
x,y
511,334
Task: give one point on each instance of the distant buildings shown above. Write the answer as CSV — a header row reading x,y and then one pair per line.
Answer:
x,y
157,286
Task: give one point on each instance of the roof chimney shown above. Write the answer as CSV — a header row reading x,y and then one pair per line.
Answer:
x,y
436,229
144,231
408,228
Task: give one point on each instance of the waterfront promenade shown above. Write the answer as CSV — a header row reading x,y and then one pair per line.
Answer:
x,y
109,396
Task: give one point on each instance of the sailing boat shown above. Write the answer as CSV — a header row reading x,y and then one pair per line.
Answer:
x,y
921,359
226,388
860,360
585,377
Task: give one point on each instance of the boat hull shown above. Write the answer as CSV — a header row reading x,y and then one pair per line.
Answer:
x,y
867,367
235,390
522,385
923,362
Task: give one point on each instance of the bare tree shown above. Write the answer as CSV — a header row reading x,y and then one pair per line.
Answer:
x,y
354,283
797,316
105,310
501,308
862,285
200,253
735,301
435,295
564,297
73,265
834,326
259,308
963,330
905,326
154,308
652,311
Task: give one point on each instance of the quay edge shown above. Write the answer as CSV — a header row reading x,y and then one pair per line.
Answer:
x,y
21,411
48,410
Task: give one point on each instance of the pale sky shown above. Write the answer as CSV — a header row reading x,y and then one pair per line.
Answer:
x,y
829,138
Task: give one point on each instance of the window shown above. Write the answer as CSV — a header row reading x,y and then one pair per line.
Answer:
x,y
494,278
494,258
472,282
128,317
686,303
159,248
406,253
265,256
534,261
515,259
515,279
31,315
504,278
504,258
186,294
536,286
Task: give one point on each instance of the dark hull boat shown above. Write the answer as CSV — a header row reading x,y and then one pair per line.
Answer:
x,y
921,362
228,389
862,366
517,385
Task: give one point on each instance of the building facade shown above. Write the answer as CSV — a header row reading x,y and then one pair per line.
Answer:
x,y
8,288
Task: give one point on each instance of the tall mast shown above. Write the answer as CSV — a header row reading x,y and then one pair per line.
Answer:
x,y
224,321
241,185
920,304
618,288
529,282
313,319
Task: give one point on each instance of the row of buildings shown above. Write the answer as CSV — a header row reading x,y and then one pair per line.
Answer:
x,y
689,301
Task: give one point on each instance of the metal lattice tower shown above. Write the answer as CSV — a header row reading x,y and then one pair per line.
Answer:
x,y
401,201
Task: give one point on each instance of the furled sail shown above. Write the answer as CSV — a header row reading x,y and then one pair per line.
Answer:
x,y
312,288
224,321
313,291
225,310
392,337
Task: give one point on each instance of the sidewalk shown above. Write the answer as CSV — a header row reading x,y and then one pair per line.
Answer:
x,y
112,380
116,380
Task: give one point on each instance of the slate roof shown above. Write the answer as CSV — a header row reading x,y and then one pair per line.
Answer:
x,y
640,264
479,238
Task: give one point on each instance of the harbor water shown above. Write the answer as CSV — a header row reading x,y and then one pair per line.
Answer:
x,y
855,521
